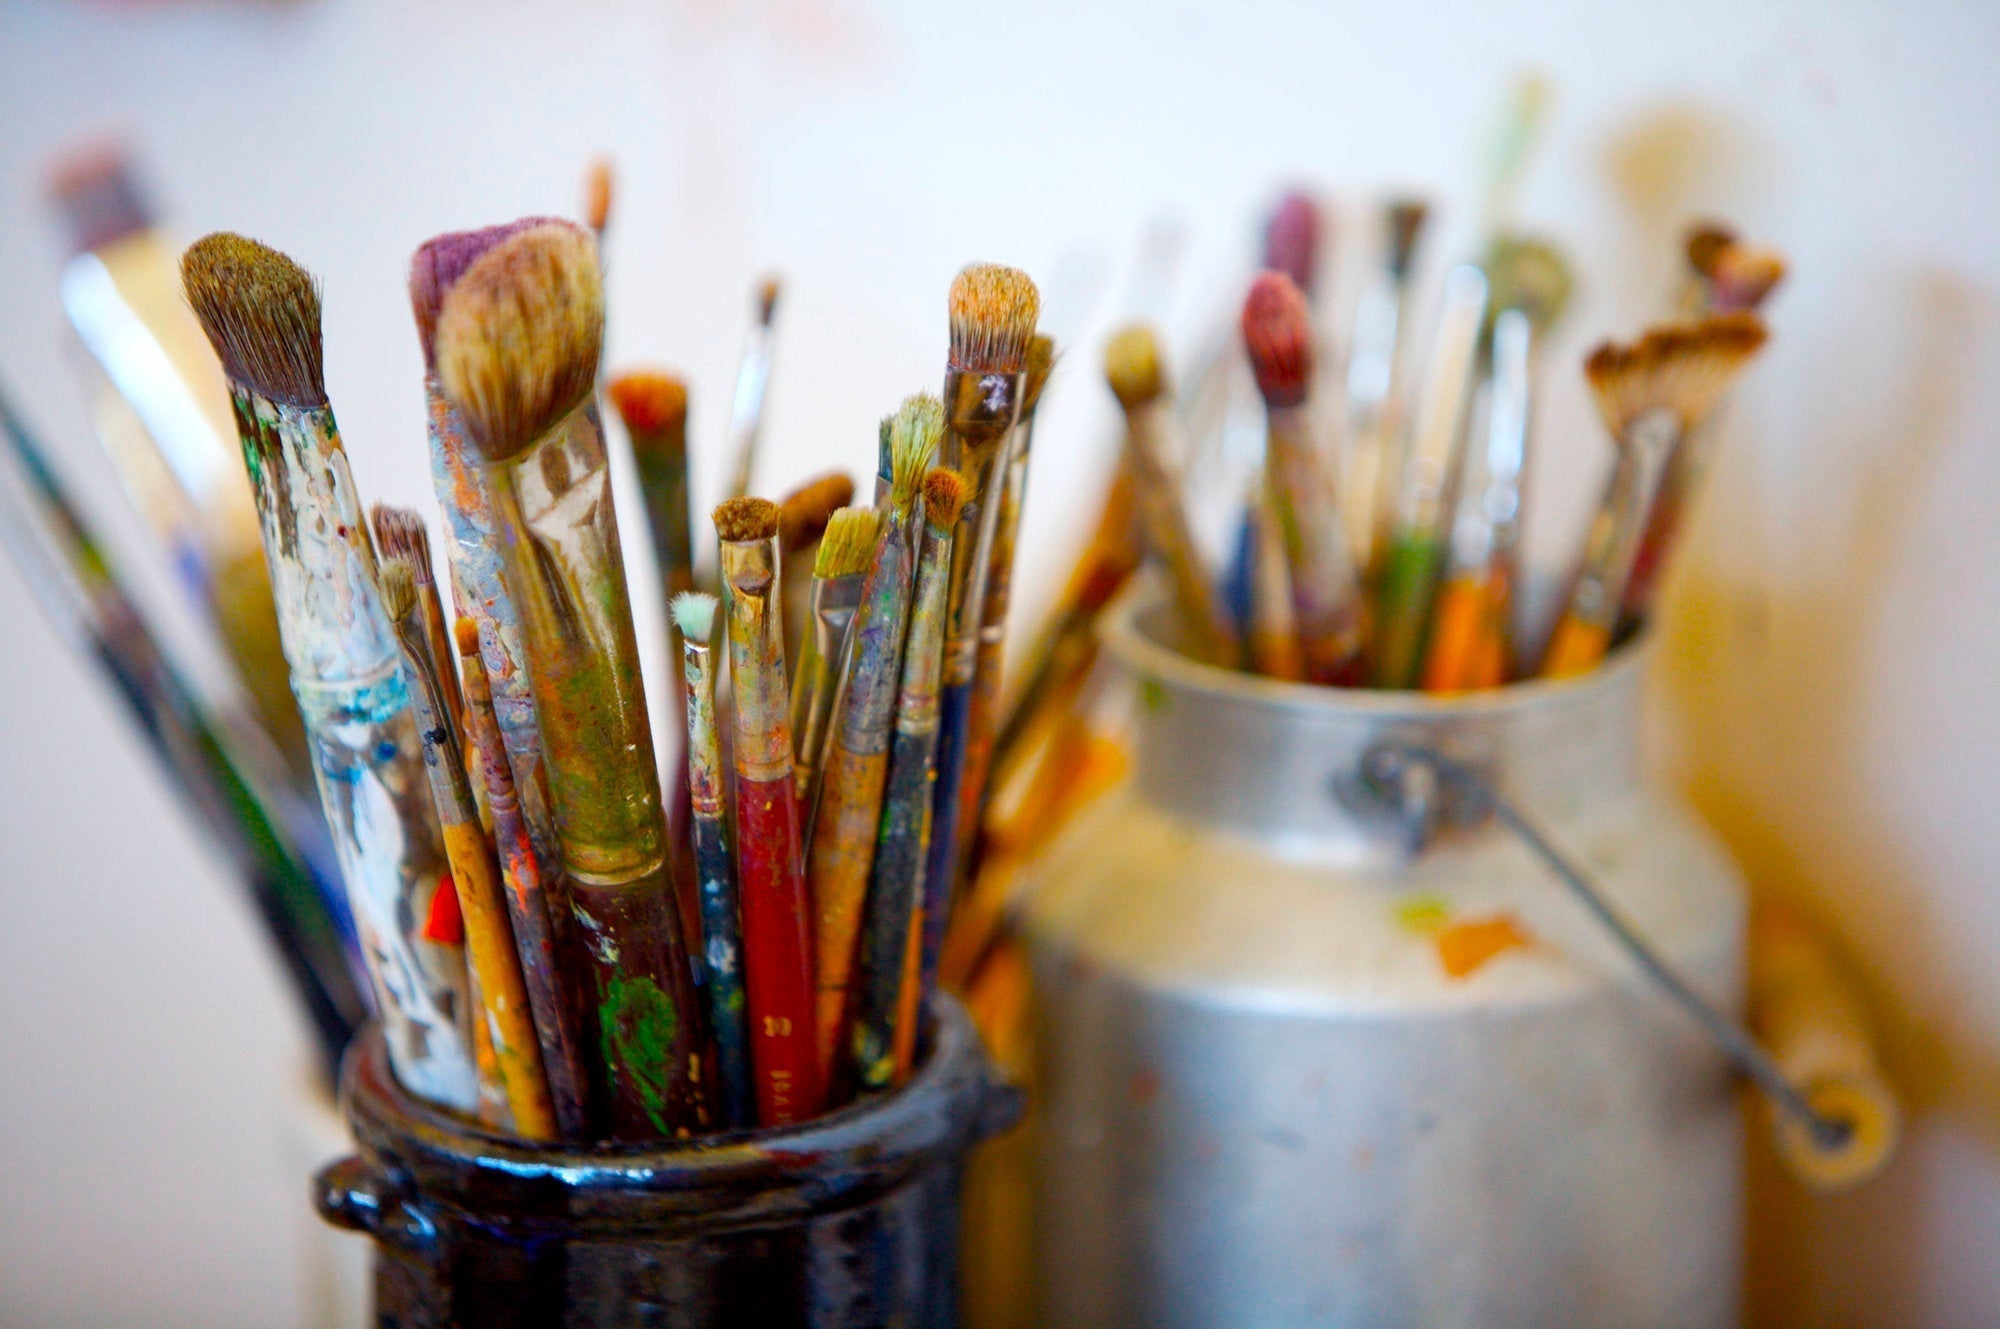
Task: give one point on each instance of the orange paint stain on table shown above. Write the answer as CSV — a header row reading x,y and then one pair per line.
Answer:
x,y
1464,948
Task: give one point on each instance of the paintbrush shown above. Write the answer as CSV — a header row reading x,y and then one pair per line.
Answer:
x,y
753,380
161,411
1377,370
261,312
1650,394
889,994
1273,632
597,191
1138,380
518,340
400,534
722,945
1325,592
1471,640
840,570
489,940
856,765
241,800
802,518
529,906
777,927
992,311
1418,533
989,668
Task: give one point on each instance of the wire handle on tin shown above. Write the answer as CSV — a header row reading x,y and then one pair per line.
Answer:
x,y
1392,763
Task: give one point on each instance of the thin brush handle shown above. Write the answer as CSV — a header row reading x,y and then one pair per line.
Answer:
x,y
1274,630
941,856
1412,562
1326,593
367,755
1467,645
777,926
746,408
1210,635
1590,614
557,1028
817,680
722,941
892,938
566,575
1685,468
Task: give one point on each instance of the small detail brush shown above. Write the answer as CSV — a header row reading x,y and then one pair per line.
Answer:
x,y
802,518
777,926
400,534
1377,374
722,942
753,382
1650,394
1274,626
840,569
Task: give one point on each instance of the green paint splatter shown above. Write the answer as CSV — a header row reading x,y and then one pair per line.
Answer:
x,y
1152,694
1424,914
637,1025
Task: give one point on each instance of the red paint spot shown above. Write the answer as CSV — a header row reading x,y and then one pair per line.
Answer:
x,y
446,923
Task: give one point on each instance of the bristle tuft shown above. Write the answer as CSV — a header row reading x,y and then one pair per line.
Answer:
x,y
1677,368
653,406
1291,238
438,264
914,432
519,336
768,291
1705,243
1406,227
399,588
99,198
803,513
993,314
1530,275
1743,276
597,186
1132,367
742,520
848,546
694,615
465,632
945,492
1277,331
261,312
400,533
1041,363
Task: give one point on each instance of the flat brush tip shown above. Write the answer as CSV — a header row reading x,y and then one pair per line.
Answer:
x,y
597,188
465,632
1132,367
742,520
993,314
437,265
94,187
768,290
914,432
848,546
1041,363
261,312
653,406
1277,332
944,497
401,534
399,588
804,513
694,615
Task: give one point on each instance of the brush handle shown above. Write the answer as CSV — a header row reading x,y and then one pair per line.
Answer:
x,y
1468,635
941,856
895,908
777,952
1410,568
722,942
1326,593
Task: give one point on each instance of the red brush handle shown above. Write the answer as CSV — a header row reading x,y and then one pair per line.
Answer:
x,y
777,951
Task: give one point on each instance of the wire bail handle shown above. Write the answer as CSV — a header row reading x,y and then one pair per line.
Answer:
x,y
1422,788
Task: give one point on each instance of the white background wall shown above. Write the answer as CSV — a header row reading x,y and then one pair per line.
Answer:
x,y
1827,691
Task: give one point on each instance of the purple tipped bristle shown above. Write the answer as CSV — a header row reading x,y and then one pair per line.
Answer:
x,y
441,260
1291,239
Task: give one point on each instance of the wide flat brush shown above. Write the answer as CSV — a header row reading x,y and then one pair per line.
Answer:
x,y
722,938
786,1065
1326,593
753,384
261,313
1650,394
856,766
518,341
501,993
802,518
840,574
889,994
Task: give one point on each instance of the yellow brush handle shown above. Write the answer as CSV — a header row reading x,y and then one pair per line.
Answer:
x,y
1576,648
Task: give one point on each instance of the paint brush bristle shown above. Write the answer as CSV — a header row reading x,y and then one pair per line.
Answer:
x,y
399,589
1277,331
1679,368
438,264
519,336
742,520
99,199
848,546
694,615
1132,367
1041,363
804,513
597,188
400,534
1706,242
653,406
768,291
1406,225
913,439
465,632
261,312
1529,275
1743,276
945,492
1291,238
993,315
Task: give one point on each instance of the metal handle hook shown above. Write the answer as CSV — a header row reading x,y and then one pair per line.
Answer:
x,y
1393,760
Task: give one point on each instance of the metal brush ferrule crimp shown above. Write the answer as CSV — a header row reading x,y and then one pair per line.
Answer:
x,y
980,409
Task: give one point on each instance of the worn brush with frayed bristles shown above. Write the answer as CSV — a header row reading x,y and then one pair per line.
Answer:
x,y
753,386
1138,380
517,353
993,310
1743,278
889,977
802,518
722,940
839,572
1277,332
400,533
856,762
1650,393
260,310
786,1066
1292,239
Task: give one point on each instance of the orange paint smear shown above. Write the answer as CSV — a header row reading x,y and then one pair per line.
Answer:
x,y
1464,948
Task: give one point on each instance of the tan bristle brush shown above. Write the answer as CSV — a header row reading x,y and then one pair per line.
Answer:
x,y
400,534
597,191
839,570
802,518
1132,368
1650,394
1325,591
1703,248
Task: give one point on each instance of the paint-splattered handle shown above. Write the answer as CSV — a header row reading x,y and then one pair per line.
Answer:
x,y
723,950
777,952
941,855
894,908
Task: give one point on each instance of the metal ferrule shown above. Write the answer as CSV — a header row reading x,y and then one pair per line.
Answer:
x,y
917,703
980,413
1490,524
1613,542
869,699
705,778
763,749
1430,470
